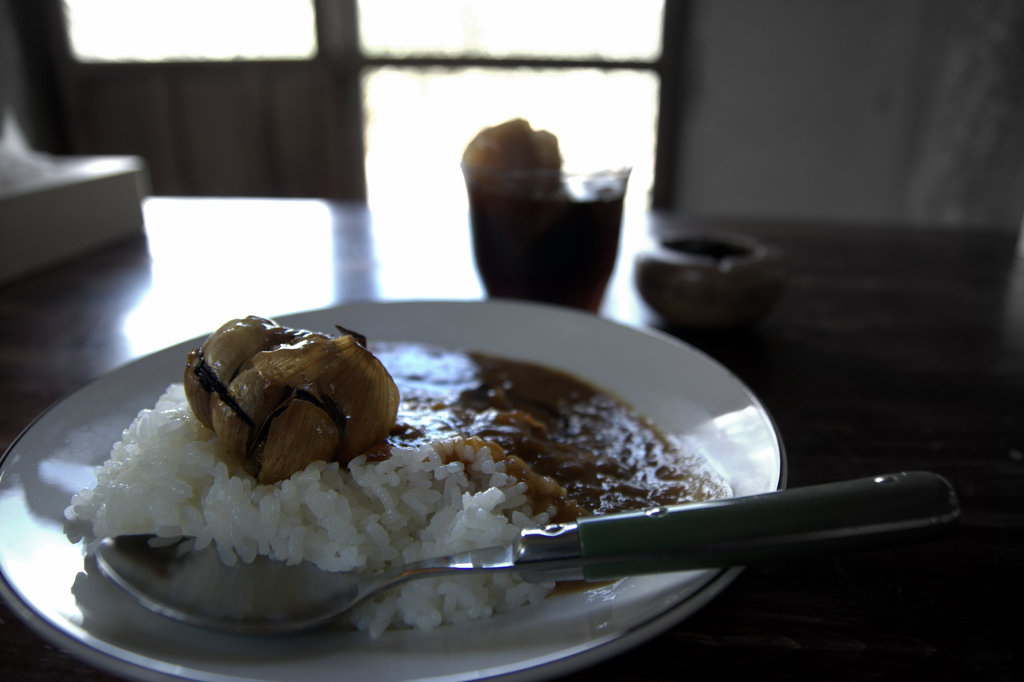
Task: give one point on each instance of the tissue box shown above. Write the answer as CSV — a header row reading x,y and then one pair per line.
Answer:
x,y
67,207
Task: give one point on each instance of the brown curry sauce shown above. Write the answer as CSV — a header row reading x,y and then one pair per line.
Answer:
x,y
607,456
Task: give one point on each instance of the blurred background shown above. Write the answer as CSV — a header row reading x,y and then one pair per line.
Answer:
x,y
869,111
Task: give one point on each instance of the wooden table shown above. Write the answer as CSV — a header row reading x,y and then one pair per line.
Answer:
x,y
891,349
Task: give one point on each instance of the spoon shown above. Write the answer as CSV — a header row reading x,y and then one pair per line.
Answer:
x,y
268,596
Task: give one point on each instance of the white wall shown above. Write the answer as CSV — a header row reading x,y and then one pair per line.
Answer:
x,y
877,110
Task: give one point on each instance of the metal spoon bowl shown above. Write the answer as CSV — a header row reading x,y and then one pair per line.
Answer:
x,y
171,578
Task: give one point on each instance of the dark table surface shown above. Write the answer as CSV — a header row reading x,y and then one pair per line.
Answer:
x,y
891,349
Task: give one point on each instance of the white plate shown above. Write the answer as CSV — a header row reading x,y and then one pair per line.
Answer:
x,y
682,390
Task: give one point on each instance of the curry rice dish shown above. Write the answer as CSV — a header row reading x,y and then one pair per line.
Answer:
x,y
301,446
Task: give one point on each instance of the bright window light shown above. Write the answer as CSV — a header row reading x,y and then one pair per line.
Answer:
x,y
603,29
190,30
418,122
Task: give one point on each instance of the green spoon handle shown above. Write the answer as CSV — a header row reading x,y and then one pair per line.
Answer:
x,y
748,530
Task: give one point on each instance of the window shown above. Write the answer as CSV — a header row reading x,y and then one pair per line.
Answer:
x,y
190,30
428,75
420,117
419,121
566,29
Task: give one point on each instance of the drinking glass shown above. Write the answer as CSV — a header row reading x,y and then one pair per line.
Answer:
x,y
546,235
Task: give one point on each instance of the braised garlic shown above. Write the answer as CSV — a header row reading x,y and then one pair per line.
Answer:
x,y
283,398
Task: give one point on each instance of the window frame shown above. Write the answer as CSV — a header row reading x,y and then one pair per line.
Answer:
x,y
340,56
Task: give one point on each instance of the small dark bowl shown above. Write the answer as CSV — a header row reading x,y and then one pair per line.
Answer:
x,y
710,280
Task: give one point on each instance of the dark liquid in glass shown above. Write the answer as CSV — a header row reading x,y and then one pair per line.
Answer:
x,y
552,248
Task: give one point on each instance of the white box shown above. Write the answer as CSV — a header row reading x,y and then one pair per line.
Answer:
x,y
56,208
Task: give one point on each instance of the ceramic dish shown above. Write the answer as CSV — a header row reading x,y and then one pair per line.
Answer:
x,y
710,280
47,582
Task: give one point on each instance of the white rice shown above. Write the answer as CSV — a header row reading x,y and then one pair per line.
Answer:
x,y
169,475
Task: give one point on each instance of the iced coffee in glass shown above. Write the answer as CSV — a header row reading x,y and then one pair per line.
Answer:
x,y
541,232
